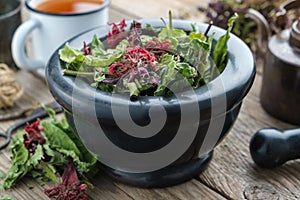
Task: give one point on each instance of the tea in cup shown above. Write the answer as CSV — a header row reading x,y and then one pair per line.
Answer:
x,y
51,23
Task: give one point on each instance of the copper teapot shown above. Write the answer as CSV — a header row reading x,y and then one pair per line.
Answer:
x,y
280,91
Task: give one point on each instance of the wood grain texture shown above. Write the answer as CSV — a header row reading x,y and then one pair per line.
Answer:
x,y
157,8
189,190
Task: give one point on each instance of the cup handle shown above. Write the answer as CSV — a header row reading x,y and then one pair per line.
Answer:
x,y
18,46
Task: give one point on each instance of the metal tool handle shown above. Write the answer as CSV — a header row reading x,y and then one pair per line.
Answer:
x,y
38,113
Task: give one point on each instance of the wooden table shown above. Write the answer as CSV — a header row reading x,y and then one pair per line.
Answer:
x,y
231,175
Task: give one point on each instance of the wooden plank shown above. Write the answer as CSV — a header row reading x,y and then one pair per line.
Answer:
x,y
21,107
186,191
158,8
116,14
232,171
35,86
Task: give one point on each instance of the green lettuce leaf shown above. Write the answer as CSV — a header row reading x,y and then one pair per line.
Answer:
x,y
197,35
186,71
151,28
77,63
83,157
99,57
102,58
62,143
49,171
133,89
23,163
97,45
58,138
208,71
145,39
220,51
167,33
68,53
167,73
19,159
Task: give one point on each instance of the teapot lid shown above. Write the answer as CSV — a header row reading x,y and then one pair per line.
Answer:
x,y
281,48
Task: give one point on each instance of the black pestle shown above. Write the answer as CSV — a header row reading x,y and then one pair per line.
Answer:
x,y
272,147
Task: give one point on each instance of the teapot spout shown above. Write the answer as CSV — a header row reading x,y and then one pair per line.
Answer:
x,y
263,28
281,15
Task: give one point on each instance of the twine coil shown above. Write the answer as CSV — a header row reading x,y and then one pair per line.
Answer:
x,y
10,89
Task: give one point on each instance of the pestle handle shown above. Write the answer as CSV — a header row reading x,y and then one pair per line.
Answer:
x,y
272,147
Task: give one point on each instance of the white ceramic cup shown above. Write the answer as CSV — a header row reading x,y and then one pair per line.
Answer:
x,y
49,31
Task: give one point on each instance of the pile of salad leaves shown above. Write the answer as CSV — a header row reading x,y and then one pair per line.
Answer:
x,y
147,61
44,150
